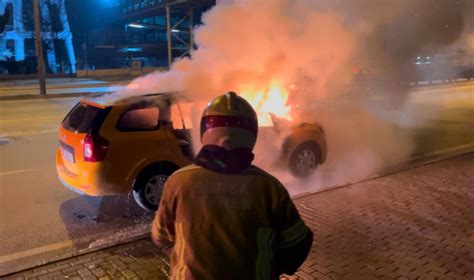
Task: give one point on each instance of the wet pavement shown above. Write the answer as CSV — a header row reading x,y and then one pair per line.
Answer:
x,y
415,224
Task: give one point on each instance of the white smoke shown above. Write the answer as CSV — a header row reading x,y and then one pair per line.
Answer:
x,y
313,44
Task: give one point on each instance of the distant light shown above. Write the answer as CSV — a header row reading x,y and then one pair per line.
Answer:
x,y
109,3
136,25
418,57
124,50
428,62
419,62
175,30
427,57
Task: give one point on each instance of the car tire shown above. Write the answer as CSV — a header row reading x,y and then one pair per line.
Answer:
x,y
149,187
304,160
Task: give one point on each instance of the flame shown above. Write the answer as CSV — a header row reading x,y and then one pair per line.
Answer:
x,y
272,101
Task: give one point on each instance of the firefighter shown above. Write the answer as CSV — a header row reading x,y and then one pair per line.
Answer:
x,y
222,217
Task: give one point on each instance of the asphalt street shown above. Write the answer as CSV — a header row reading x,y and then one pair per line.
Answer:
x,y
41,220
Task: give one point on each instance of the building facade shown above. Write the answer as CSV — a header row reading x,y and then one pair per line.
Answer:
x,y
17,51
151,32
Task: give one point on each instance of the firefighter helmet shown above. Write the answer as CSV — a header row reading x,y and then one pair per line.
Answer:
x,y
229,121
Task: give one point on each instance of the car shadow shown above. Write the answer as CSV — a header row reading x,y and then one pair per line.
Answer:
x,y
87,218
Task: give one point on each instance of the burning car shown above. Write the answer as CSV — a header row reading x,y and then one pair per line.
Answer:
x,y
136,143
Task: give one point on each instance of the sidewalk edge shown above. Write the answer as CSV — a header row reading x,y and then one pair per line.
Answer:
x,y
413,162
13,268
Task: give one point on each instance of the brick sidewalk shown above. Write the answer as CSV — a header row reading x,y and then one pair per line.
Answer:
x,y
416,224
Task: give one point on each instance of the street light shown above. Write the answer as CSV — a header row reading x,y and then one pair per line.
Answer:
x,y
140,25
136,25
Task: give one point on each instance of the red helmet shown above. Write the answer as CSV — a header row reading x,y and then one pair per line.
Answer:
x,y
229,121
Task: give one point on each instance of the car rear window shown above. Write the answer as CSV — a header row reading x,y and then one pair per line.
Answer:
x,y
85,118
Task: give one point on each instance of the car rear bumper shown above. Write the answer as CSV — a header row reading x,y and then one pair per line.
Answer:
x,y
70,187
88,182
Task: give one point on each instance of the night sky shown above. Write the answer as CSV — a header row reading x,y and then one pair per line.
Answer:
x,y
87,15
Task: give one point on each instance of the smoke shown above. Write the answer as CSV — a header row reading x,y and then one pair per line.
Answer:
x,y
336,53
248,43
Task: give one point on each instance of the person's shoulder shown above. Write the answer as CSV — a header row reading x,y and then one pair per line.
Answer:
x,y
257,171
187,169
260,172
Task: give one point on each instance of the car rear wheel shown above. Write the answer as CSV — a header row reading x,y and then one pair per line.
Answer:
x,y
305,159
149,187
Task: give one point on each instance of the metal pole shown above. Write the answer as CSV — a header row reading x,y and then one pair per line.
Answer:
x,y
85,65
168,32
191,23
39,48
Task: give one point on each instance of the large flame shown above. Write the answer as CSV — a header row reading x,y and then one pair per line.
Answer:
x,y
270,101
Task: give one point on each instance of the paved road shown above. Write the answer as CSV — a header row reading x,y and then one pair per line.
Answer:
x,y
415,224
39,217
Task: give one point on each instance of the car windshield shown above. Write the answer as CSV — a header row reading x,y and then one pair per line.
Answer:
x,y
84,118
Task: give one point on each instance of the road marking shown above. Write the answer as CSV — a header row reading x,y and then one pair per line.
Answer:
x,y
15,172
29,133
34,118
45,107
35,251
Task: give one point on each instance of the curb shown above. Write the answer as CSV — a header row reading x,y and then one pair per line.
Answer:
x,y
413,162
35,259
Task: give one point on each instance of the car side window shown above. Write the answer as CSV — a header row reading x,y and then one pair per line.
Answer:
x,y
139,119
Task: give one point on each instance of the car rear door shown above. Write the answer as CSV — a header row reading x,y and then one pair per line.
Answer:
x,y
140,137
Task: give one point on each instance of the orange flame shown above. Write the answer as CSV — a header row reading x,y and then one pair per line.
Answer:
x,y
268,102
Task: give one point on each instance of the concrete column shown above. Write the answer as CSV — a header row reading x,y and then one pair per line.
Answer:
x,y
71,55
3,5
49,40
18,26
66,35
19,49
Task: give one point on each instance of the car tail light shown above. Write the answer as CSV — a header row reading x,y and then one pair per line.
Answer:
x,y
95,148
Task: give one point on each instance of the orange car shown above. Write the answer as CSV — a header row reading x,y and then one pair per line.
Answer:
x,y
131,144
